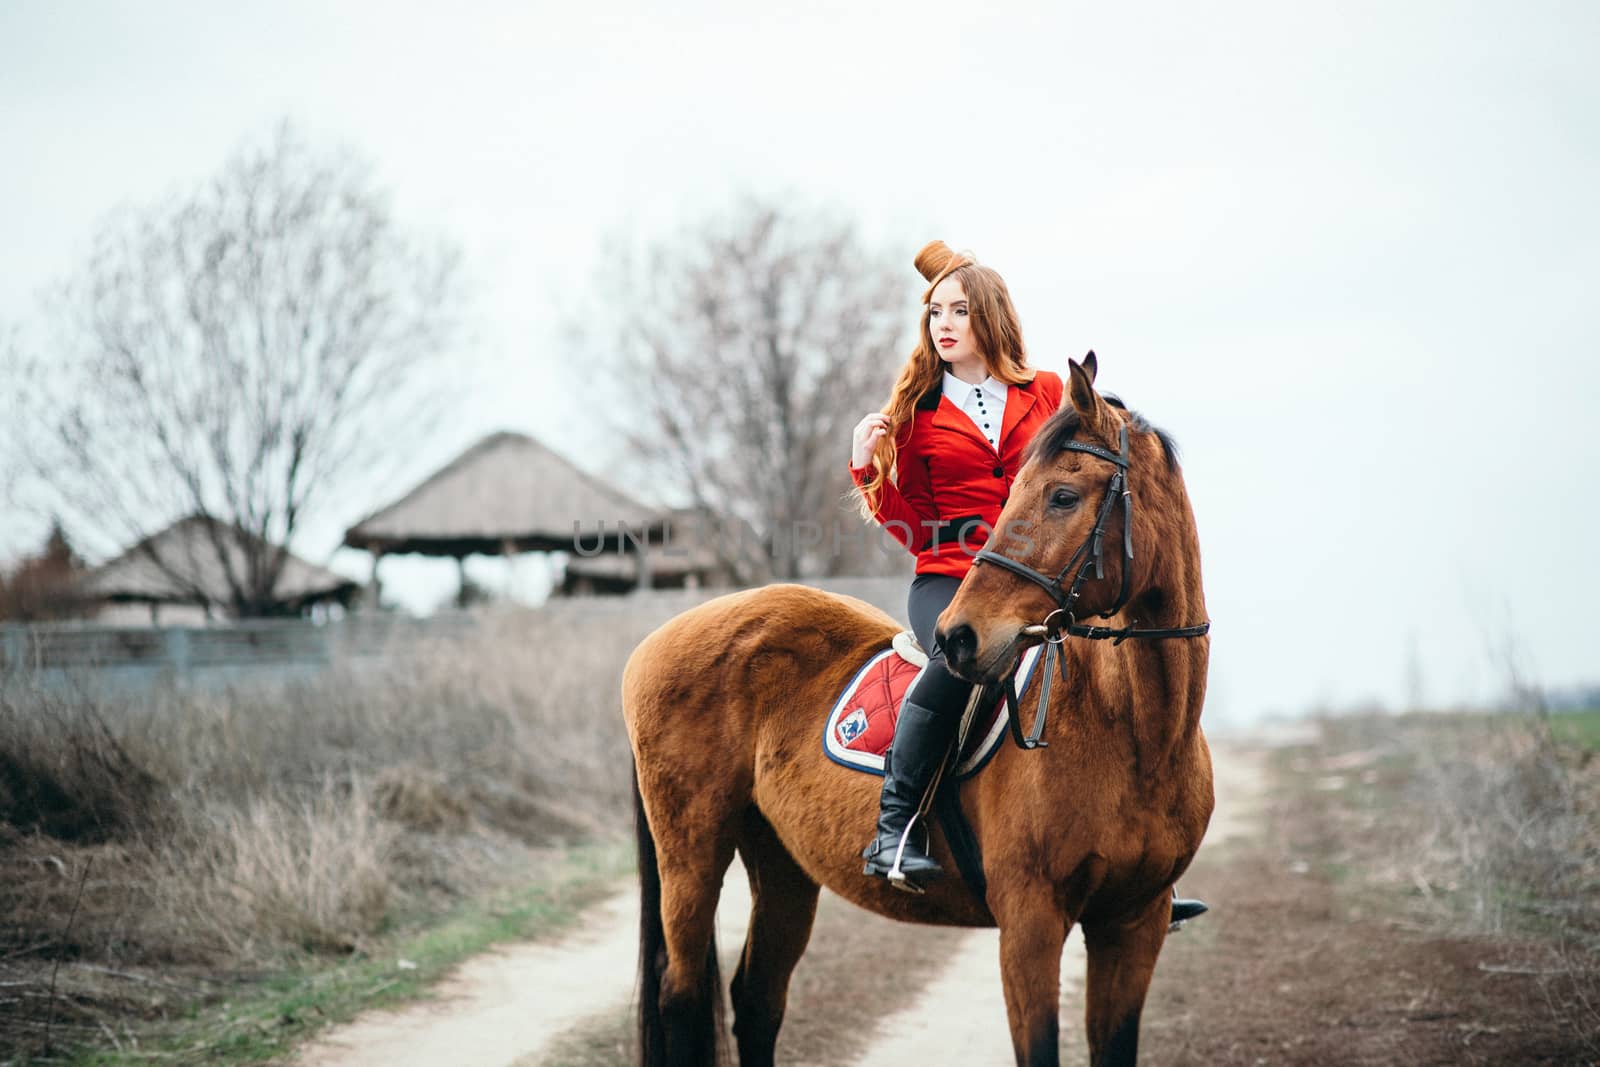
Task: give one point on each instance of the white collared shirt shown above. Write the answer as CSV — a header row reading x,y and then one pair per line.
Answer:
x,y
984,404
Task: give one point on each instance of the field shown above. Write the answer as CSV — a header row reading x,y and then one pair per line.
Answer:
x,y
202,876
182,867
1424,889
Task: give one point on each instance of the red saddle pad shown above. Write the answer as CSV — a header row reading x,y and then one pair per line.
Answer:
x,y
861,724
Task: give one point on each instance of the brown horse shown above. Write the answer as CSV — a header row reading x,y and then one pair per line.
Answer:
x,y
725,706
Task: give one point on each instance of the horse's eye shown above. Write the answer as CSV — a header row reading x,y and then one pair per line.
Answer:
x,y
1065,499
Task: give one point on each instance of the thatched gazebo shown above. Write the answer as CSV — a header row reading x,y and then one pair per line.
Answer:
x,y
505,495
687,559
179,566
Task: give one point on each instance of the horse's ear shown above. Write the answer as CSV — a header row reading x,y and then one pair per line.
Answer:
x,y
1081,392
1091,365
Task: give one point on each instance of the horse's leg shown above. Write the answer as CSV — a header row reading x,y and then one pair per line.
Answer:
x,y
784,903
1122,956
682,858
1032,933
690,885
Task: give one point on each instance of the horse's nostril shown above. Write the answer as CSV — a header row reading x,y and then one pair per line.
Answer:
x,y
960,644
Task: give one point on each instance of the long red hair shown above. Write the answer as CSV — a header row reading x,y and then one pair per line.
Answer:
x,y
996,334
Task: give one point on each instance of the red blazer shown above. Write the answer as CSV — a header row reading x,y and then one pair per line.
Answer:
x,y
951,483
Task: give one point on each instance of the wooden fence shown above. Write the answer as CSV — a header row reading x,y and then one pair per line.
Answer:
x,y
290,648
133,653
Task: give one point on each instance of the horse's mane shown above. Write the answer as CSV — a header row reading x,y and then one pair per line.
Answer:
x,y
1051,438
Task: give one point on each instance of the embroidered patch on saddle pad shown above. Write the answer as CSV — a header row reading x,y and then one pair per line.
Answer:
x,y
861,724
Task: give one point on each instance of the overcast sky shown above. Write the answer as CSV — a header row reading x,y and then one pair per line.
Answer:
x,y
1347,253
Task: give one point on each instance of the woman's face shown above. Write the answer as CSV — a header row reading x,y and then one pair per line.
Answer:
x,y
950,324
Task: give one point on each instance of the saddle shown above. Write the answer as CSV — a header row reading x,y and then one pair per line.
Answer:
x,y
861,723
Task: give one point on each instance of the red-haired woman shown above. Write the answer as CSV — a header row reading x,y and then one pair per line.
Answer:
x,y
953,432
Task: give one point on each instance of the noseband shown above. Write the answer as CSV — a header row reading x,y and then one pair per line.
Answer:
x,y
1061,622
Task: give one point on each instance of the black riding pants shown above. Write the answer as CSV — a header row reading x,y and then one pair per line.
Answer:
x,y
936,688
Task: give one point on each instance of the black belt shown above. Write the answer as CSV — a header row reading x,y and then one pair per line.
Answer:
x,y
958,530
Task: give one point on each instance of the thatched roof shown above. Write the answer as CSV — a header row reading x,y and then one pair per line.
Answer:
x,y
507,493
190,571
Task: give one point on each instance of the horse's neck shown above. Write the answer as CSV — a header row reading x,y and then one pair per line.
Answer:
x,y
1145,693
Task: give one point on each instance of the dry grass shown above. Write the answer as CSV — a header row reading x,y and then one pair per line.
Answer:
x,y
236,831
1501,831
315,873
279,808
1513,824
1488,826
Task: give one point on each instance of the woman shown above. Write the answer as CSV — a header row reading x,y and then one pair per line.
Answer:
x,y
954,430
958,419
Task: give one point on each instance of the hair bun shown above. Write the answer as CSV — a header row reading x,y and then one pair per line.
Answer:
x,y
935,258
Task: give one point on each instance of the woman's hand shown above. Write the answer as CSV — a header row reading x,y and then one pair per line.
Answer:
x,y
869,431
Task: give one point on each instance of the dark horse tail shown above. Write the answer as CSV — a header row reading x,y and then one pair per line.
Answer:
x,y
688,1032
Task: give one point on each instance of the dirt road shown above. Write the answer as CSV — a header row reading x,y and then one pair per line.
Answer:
x,y
961,1016
504,1006
510,1007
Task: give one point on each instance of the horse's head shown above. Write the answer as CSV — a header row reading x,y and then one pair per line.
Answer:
x,y
1097,523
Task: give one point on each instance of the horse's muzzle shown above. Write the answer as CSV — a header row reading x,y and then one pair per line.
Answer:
x,y
969,661
960,646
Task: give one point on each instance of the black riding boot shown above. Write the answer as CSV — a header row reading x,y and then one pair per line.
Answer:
x,y
921,743
1183,910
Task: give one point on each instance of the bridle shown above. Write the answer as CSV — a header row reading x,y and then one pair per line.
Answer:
x,y
1062,623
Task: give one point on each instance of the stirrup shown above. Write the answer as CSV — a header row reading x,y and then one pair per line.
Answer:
x,y
896,876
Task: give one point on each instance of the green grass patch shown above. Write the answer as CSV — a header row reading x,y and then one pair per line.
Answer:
x,y
1578,728
264,1018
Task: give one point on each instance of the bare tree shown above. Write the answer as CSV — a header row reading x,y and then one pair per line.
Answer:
x,y
236,354
748,346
